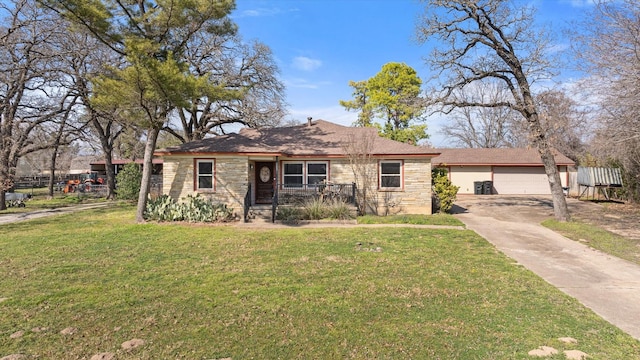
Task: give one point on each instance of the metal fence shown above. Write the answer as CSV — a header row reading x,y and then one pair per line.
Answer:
x,y
300,193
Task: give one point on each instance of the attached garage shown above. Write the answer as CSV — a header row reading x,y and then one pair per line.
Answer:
x,y
465,176
520,180
513,171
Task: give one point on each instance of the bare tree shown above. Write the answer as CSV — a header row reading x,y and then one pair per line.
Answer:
x,y
363,166
84,59
30,91
493,41
609,45
565,122
253,95
482,127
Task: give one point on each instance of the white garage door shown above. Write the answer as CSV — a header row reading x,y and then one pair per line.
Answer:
x,y
520,180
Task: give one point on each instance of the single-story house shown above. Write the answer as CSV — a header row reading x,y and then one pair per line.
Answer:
x,y
511,170
256,166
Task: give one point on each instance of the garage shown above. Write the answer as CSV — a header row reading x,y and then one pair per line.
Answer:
x,y
514,180
513,171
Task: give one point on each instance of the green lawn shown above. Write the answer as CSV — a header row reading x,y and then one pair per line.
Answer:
x,y
211,292
435,219
39,200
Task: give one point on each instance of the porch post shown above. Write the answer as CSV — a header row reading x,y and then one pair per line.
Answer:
x,y
274,207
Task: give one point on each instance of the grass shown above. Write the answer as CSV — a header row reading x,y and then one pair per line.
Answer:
x,y
39,201
210,292
435,219
598,238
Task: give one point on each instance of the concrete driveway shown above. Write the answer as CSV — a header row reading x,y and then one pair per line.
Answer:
x,y
606,284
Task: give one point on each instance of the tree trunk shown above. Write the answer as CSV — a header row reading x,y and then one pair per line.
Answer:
x,y
7,178
560,208
111,176
106,142
52,172
147,168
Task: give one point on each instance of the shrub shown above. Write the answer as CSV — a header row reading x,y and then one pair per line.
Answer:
x,y
288,213
128,181
340,210
314,209
191,209
445,192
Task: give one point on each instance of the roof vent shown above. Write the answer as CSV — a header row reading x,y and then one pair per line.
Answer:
x,y
309,121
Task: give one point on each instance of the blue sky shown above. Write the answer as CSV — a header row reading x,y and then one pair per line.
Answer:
x,y
320,45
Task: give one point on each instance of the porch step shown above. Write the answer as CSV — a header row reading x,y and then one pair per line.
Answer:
x,y
260,213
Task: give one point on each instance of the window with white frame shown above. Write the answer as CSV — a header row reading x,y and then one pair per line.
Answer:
x,y
390,174
295,174
204,174
316,172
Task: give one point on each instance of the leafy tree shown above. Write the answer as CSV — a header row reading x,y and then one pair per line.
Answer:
x,y
154,80
129,182
493,41
392,96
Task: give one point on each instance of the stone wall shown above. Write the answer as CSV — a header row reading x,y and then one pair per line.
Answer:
x,y
231,179
232,176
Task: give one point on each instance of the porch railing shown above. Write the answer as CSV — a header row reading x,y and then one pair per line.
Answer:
x,y
297,194
247,203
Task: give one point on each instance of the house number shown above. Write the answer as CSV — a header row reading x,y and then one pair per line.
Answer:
x,y
265,174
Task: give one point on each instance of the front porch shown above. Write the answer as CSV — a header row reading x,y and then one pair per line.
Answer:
x,y
297,195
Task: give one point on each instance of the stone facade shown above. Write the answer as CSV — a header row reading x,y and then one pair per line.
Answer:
x,y
232,175
231,178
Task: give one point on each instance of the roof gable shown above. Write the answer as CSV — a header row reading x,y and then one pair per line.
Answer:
x,y
321,138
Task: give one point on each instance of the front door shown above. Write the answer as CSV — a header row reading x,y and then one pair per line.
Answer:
x,y
265,179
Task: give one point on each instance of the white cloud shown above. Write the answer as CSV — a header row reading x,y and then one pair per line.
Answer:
x,y
580,3
260,12
304,83
306,64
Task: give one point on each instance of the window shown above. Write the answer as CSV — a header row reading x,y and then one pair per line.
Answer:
x,y
391,174
204,174
295,174
316,173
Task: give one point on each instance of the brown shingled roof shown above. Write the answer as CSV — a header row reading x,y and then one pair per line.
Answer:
x,y
498,156
322,138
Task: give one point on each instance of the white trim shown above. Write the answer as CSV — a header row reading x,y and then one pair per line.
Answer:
x,y
399,175
198,175
305,171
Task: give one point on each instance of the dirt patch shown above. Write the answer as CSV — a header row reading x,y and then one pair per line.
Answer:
x,y
619,218
132,344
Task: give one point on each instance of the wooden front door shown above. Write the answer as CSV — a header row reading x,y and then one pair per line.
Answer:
x,y
265,180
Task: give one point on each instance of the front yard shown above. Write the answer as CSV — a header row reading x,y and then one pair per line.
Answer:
x,y
213,292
